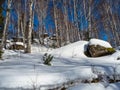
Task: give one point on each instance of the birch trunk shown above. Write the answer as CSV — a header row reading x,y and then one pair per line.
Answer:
x,y
114,24
23,33
18,31
6,24
66,22
89,20
76,19
55,20
28,48
24,25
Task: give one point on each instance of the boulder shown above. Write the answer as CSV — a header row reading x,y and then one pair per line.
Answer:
x,y
17,46
97,50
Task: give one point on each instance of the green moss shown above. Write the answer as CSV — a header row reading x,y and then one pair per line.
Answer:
x,y
110,50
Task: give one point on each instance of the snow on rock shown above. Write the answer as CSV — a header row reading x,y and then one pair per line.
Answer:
x,y
72,50
19,43
99,42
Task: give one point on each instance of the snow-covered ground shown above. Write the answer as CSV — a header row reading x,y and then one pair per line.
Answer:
x,y
96,86
24,71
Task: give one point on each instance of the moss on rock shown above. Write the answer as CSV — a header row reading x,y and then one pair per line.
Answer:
x,y
97,51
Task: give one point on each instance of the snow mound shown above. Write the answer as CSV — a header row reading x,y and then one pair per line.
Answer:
x,y
72,50
99,42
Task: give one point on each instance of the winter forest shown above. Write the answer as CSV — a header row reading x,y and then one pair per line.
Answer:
x,y
59,44
68,20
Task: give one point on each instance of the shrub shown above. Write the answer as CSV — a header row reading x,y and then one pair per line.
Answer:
x,y
118,58
47,58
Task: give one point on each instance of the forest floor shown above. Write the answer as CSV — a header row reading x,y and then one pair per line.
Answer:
x,y
70,70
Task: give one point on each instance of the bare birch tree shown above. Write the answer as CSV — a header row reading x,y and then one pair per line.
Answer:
x,y
66,21
55,20
41,9
6,23
28,45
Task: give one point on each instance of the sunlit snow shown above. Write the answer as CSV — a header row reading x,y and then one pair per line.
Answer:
x,y
19,70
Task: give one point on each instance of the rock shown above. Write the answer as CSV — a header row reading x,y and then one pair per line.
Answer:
x,y
97,50
16,47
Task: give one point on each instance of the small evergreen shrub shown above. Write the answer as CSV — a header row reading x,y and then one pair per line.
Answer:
x,y
118,58
47,58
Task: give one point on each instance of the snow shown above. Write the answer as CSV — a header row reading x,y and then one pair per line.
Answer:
x,y
88,87
36,40
19,43
20,70
118,48
99,42
72,50
94,86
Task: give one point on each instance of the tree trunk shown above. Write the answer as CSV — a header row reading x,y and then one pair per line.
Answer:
x,y
6,24
24,25
76,20
89,20
66,22
55,20
1,2
28,48
18,29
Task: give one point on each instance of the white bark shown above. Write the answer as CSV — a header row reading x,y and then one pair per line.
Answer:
x,y
56,27
28,48
24,24
76,20
6,23
18,31
89,20
66,22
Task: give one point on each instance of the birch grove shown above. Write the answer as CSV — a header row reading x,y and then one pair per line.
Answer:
x,y
68,20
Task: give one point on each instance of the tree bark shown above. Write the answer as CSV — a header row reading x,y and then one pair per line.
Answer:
x,y
28,48
66,22
6,24
55,20
1,2
89,20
